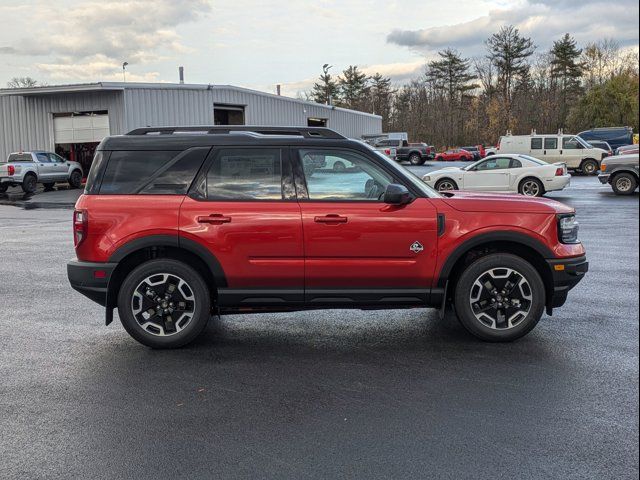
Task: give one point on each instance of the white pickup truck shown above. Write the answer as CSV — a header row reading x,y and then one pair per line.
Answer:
x,y
27,169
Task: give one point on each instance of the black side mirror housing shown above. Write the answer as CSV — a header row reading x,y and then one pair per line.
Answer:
x,y
396,194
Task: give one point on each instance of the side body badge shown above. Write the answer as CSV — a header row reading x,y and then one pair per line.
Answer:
x,y
416,247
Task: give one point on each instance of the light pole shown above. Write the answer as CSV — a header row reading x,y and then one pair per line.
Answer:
x,y
325,69
124,71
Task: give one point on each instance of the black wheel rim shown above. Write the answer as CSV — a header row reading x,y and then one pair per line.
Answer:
x,y
501,298
163,304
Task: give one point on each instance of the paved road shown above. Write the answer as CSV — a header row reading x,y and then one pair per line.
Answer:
x,y
394,394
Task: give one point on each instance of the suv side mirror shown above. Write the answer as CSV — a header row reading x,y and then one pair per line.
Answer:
x,y
396,194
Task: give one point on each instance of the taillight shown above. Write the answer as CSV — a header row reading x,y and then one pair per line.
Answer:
x,y
11,170
387,151
559,172
80,221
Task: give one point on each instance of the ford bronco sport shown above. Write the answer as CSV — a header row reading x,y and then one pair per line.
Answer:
x,y
179,223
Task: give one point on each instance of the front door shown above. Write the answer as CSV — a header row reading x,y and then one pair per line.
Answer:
x,y
244,212
359,250
492,175
60,167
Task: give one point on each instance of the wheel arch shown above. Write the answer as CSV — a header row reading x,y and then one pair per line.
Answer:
x,y
140,250
522,245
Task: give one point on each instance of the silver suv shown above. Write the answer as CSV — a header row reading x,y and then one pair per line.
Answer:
x,y
27,169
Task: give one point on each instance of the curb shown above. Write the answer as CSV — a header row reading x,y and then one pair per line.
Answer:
x,y
27,205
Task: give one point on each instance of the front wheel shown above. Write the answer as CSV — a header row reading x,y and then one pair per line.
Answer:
x,y
446,185
500,298
75,179
589,167
164,303
416,159
624,184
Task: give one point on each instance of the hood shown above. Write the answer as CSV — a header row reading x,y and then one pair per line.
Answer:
x,y
498,202
446,169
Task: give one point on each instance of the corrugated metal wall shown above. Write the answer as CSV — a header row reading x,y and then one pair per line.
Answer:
x,y
266,109
27,122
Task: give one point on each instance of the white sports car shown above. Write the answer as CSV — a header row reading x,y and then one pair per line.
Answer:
x,y
503,173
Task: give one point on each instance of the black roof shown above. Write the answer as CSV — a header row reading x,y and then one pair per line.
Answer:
x,y
180,138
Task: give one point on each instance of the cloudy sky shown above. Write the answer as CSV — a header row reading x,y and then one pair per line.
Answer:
x,y
258,44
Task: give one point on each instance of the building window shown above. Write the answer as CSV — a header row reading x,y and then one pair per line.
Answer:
x,y
316,122
228,114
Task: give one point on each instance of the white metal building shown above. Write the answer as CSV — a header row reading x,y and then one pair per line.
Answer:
x,y
72,119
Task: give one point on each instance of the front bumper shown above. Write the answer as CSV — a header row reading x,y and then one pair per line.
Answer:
x,y
91,279
567,273
604,178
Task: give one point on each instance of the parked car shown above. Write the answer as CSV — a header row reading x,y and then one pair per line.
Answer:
x,y
621,172
454,155
603,145
503,173
27,169
415,153
627,150
473,151
173,228
572,150
614,136
490,151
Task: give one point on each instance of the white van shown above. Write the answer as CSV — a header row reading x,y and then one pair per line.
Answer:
x,y
570,149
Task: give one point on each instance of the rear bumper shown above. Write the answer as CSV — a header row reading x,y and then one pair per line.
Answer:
x,y
557,183
567,273
91,279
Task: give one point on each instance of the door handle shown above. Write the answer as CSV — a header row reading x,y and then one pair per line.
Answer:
x,y
330,219
215,219
545,152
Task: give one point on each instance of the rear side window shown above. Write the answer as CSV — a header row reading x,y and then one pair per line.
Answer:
x,y
245,174
127,171
93,185
536,144
176,177
550,143
20,157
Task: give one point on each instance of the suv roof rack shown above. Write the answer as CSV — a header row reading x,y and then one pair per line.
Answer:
x,y
306,132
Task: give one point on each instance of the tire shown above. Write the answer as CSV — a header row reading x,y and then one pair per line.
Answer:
x,y
75,179
531,187
154,332
438,159
624,184
446,185
416,159
474,300
3,187
589,167
48,185
29,183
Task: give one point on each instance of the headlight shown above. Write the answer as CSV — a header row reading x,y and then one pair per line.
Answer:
x,y
568,228
426,178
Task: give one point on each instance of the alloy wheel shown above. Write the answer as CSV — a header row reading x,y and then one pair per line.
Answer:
x,y
446,186
531,188
501,298
163,304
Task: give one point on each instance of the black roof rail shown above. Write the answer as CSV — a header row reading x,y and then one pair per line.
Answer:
x,y
306,132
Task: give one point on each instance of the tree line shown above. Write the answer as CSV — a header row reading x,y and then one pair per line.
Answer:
x,y
513,87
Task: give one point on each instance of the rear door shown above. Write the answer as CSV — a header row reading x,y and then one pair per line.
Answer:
x,y
46,168
242,209
359,250
551,149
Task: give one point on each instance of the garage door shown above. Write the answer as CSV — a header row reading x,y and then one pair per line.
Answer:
x,y
80,128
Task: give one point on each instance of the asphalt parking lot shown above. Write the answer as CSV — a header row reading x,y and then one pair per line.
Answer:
x,y
323,394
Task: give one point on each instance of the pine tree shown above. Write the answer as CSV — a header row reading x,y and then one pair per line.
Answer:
x,y
326,90
566,73
354,88
381,94
452,74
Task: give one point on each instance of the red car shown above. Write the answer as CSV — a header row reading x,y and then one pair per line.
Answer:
x,y
173,228
454,155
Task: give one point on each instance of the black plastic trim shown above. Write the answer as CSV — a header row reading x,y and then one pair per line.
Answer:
x,y
82,279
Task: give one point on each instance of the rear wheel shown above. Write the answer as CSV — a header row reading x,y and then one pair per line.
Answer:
x,y
164,303
500,298
589,167
75,179
48,185
624,184
531,187
445,185
29,183
416,159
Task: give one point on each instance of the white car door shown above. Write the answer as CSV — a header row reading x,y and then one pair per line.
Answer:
x,y
491,175
551,150
572,152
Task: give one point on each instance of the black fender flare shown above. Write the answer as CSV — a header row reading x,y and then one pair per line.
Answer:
x,y
175,241
506,236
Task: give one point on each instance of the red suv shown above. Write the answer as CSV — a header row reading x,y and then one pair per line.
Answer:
x,y
177,224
